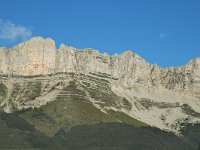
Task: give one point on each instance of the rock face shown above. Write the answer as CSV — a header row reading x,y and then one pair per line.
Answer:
x,y
34,57
161,97
39,56
3,61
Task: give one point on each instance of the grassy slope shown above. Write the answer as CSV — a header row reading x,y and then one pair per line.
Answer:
x,y
64,113
16,133
73,108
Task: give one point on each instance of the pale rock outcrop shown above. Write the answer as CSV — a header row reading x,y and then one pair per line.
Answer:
x,y
4,61
130,69
91,61
34,57
65,59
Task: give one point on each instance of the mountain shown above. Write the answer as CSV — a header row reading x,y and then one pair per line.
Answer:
x,y
66,94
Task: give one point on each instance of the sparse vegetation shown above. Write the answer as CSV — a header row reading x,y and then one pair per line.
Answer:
x,y
122,117
26,91
127,105
3,89
148,103
3,92
189,111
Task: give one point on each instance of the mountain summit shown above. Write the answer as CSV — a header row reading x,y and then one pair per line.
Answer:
x,y
35,74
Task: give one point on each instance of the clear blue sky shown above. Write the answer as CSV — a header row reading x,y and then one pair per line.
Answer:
x,y
165,32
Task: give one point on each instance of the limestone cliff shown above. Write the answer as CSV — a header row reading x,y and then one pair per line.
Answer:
x,y
156,96
34,57
39,56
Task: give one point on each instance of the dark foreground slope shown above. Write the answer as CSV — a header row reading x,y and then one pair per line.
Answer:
x,y
18,133
118,136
